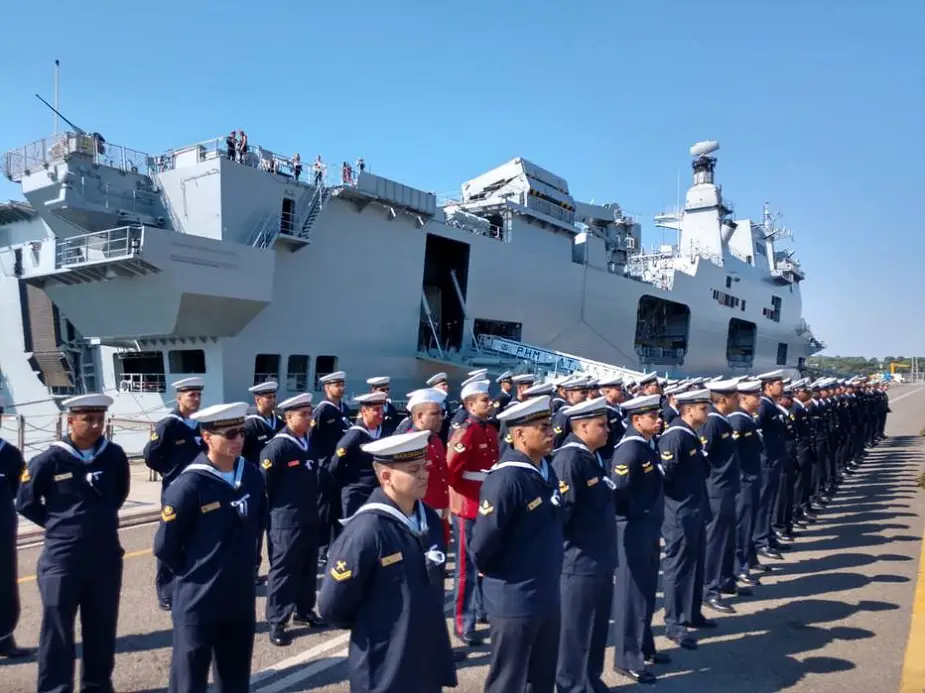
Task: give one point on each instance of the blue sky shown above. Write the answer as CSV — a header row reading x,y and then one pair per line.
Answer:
x,y
817,104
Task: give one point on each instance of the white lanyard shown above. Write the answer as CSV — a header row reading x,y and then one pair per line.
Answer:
x,y
209,469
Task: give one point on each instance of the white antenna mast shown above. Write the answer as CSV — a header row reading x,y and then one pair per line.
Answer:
x,y
57,65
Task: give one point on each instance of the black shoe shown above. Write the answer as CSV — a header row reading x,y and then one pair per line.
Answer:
x,y
639,676
783,536
770,553
684,641
9,649
747,580
719,605
702,622
743,592
483,619
310,620
800,522
657,658
164,605
460,655
473,639
279,636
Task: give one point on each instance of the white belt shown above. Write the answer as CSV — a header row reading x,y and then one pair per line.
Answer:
x,y
474,476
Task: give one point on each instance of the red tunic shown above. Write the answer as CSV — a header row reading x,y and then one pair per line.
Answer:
x,y
437,496
473,450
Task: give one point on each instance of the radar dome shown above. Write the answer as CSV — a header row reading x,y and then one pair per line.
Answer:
x,y
704,148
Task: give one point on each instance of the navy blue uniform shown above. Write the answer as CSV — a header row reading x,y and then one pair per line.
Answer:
x,y
617,428
749,449
175,443
771,426
385,584
685,465
517,544
640,505
669,414
76,497
590,529
258,430
723,486
329,423
806,468
561,428
390,420
291,486
11,469
208,539
352,469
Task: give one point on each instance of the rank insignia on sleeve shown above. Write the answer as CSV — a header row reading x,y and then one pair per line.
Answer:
x,y
647,467
459,447
593,481
558,430
735,435
168,514
267,463
724,436
508,439
667,455
25,477
496,404
621,470
340,573
154,436
209,507
294,463
693,452
703,439
486,508
563,487
341,452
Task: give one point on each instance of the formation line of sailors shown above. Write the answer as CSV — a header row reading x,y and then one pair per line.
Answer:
x,y
555,497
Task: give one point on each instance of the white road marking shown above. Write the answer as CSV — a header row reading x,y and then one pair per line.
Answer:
x,y
906,394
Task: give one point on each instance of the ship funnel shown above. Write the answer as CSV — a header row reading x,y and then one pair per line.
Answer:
x,y
704,148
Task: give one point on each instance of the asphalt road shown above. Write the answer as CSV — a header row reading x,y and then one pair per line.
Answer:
x,y
833,617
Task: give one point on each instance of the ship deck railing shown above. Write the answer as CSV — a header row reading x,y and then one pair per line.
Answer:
x,y
41,154
99,246
258,156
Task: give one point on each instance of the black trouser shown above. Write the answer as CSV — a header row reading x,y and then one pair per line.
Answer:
x,y
635,585
586,602
746,508
783,509
719,555
293,572
682,569
229,640
524,652
9,585
805,481
93,586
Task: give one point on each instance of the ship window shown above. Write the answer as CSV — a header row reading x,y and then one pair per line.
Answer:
x,y
324,365
187,361
287,216
297,373
781,354
140,371
266,367
728,282
743,305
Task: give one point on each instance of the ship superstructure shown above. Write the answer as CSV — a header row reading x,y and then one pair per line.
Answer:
x,y
125,271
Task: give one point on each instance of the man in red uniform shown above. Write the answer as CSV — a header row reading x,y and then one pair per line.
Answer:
x,y
471,452
425,409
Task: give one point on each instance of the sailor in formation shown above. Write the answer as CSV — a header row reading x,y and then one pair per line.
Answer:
x,y
472,451
425,408
773,434
75,490
384,580
517,544
506,391
440,382
329,423
291,485
174,443
259,428
11,471
390,417
351,467
639,501
461,414
576,390
749,450
590,549
207,536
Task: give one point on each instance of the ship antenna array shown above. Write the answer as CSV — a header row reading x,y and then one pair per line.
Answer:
x,y
772,230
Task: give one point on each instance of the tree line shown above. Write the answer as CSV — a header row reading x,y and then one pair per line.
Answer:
x,y
859,365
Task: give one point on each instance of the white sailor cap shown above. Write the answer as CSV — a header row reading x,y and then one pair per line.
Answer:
x,y
86,403
379,381
673,391
424,396
749,386
264,388
613,381
436,379
472,379
335,377
297,402
404,447
629,382
371,398
188,385
647,379
475,387
539,390
771,376
693,397
788,380
801,384
723,387
588,409
524,378
641,405
507,375
788,391
576,382
478,373
221,415
522,413
663,381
